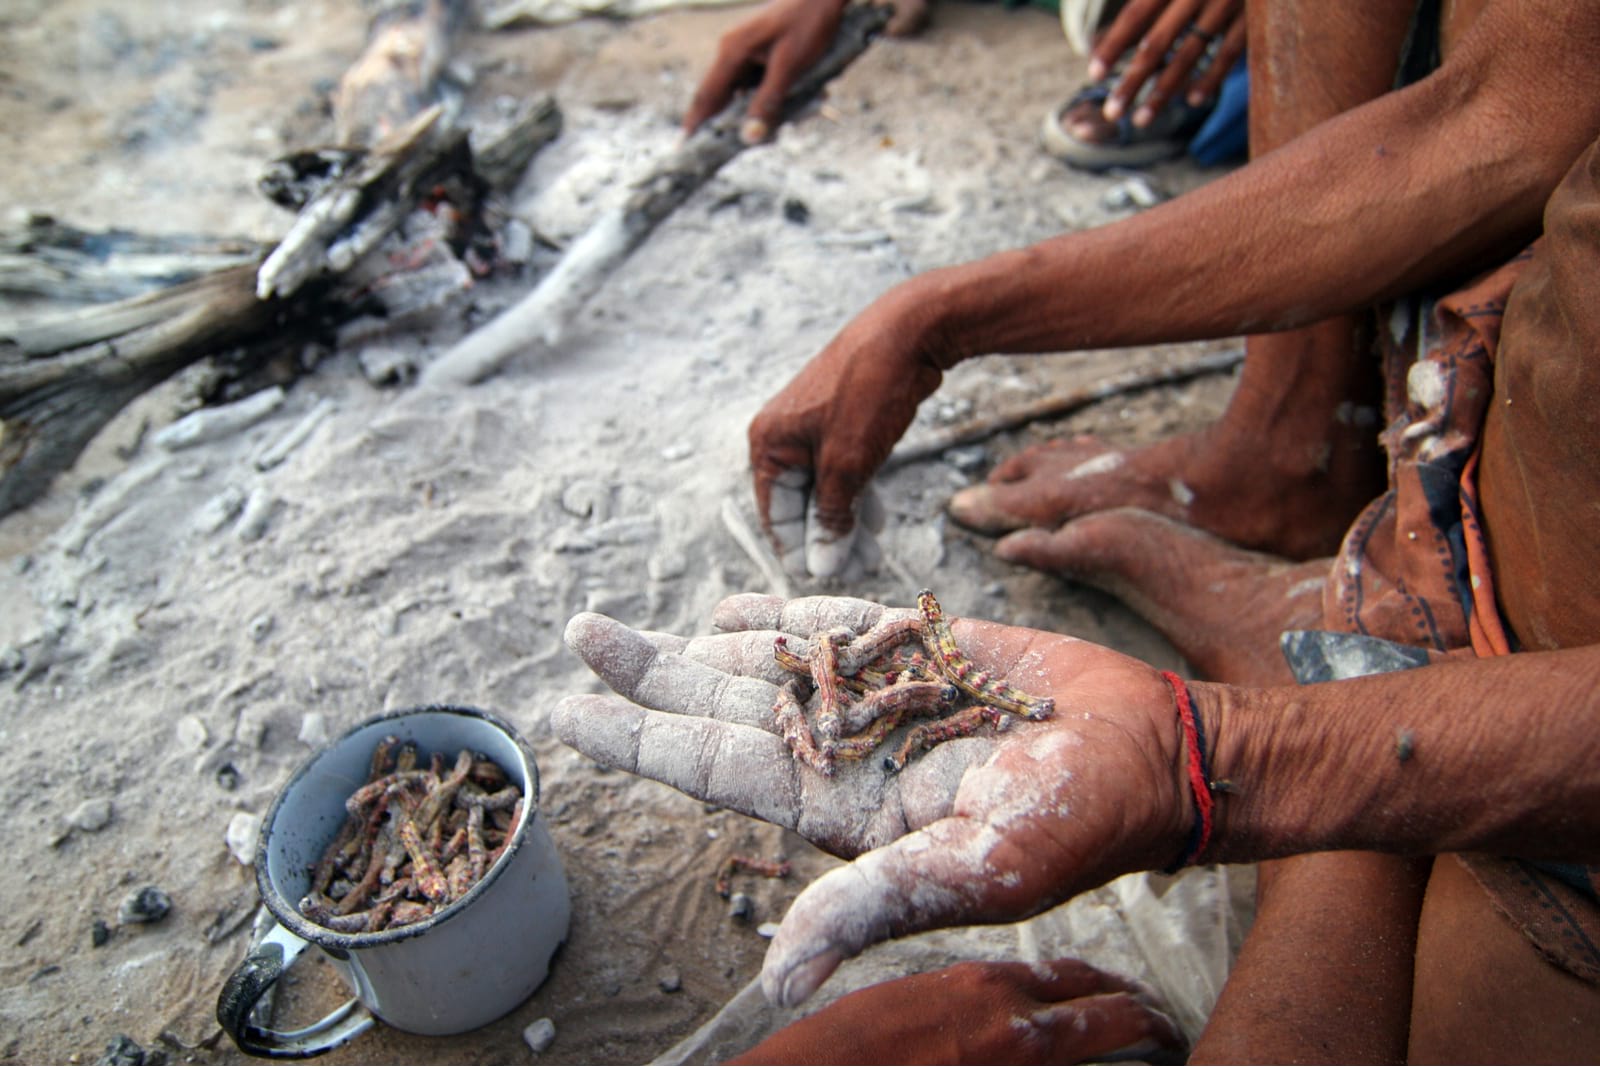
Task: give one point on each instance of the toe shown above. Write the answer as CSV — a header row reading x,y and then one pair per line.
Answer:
x,y
985,508
1050,551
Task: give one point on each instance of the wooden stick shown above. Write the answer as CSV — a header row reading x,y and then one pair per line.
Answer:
x,y
1054,407
48,259
544,314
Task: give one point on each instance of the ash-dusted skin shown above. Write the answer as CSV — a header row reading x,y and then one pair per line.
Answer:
x,y
993,828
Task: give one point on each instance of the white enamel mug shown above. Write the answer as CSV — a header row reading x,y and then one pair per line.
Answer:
x,y
459,969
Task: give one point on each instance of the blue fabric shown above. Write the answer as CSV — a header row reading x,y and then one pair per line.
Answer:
x,y
1225,136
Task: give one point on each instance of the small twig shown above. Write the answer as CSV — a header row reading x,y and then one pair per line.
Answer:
x,y
1054,407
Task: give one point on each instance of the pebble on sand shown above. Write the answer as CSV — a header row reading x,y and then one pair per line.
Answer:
x,y
539,1035
241,835
91,816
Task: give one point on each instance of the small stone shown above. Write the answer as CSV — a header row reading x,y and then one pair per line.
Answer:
x,y
669,982
768,930
314,729
192,733
386,366
250,732
740,907
260,627
228,777
147,905
123,1049
91,816
99,933
676,451
243,829
796,211
539,1035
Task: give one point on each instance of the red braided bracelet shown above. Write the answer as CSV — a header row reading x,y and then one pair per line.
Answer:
x,y
1199,775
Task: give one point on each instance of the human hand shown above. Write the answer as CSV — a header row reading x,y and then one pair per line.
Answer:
x,y
1060,1011
772,47
780,40
1172,36
815,445
979,829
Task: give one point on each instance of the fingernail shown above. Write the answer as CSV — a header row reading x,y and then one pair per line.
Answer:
x,y
1097,70
754,131
965,501
1143,117
1113,109
803,979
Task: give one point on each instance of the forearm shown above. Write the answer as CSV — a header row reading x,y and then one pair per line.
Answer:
x,y
1416,186
1498,756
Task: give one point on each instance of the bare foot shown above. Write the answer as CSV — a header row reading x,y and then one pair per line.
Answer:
x,y
1086,121
1221,606
1188,478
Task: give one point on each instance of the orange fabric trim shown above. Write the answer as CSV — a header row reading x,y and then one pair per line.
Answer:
x,y
1485,627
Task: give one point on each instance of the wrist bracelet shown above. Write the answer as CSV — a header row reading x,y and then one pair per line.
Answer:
x,y
1199,775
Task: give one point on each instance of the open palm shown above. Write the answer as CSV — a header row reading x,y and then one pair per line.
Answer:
x,y
980,829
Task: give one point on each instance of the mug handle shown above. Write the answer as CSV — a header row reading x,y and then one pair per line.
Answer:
x,y
264,965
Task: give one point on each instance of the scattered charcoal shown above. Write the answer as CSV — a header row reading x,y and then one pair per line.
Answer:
x,y
796,211
147,905
123,1049
99,933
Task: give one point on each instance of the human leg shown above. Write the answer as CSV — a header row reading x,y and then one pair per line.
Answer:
x,y
1325,974
1476,973
1292,459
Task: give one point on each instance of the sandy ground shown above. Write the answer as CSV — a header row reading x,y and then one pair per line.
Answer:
x,y
157,657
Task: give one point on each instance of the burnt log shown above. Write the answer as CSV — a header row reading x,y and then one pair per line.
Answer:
x,y
63,378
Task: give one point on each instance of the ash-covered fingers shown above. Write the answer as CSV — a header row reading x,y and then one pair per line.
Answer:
x,y
634,667
747,652
802,616
1103,1028
935,877
732,766
850,554
786,517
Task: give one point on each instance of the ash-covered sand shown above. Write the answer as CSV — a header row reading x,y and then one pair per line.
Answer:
x,y
162,655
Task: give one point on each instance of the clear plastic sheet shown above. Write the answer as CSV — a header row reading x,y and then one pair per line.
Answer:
x,y
1177,934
